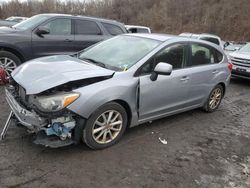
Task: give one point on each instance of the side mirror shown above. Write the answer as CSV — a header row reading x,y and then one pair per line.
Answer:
x,y
226,44
161,69
42,31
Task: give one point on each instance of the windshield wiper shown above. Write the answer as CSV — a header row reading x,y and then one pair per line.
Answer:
x,y
95,62
107,66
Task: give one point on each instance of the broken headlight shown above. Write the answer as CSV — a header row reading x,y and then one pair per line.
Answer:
x,y
54,103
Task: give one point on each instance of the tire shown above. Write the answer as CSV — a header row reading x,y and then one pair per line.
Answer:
x,y
99,133
213,106
11,59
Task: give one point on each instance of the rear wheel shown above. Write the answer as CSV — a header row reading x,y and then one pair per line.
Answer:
x,y
214,99
8,61
105,127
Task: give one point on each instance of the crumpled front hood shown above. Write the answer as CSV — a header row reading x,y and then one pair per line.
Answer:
x,y
41,74
242,55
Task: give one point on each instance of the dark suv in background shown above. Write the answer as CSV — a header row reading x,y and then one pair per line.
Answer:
x,y
52,34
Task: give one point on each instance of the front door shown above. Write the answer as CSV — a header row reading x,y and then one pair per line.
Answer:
x,y
58,41
167,94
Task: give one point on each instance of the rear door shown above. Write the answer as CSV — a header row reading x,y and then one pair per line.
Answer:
x,y
87,33
58,41
202,70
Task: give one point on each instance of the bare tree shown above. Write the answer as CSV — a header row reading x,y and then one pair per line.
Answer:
x,y
226,18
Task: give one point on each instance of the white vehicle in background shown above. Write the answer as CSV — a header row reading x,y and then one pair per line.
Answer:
x,y
16,19
137,29
241,62
207,37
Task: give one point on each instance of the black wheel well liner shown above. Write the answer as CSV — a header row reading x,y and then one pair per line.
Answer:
x,y
223,86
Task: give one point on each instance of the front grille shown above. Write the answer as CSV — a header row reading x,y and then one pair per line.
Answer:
x,y
241,62
246,74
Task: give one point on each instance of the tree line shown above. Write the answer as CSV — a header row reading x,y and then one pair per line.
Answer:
x,y
226,18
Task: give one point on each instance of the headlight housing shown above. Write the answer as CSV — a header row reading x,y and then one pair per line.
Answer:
x,y
54,103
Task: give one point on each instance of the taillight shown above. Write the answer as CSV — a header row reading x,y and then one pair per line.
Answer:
x,y
230,66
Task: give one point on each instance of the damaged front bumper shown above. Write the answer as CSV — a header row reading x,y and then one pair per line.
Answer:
x,y
29,119
55,132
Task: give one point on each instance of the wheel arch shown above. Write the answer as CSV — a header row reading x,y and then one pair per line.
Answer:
x,y
223,86
14,51
127,108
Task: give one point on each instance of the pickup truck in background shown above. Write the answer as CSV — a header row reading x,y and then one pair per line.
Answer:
x,y
52,34
137,29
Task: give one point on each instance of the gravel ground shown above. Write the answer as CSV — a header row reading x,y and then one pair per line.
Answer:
x,y
203,150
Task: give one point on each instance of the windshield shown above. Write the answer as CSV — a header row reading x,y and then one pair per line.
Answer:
x,y
121,52
31,22
245,48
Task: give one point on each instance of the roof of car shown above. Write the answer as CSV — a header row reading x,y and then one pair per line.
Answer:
x,y
80,16
160,37
166,37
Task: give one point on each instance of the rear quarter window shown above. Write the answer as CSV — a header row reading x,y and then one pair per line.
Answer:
x,y
218,56
113,29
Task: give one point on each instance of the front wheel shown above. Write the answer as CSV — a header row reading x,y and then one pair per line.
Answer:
x,y
106,126
214,99
8,61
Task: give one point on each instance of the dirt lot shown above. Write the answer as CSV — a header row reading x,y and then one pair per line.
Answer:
x,y
203,150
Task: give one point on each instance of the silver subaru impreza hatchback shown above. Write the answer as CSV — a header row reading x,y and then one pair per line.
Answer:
x,y
95,95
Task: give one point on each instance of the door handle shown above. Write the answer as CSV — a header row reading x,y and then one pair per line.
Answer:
x,y
68,40
185,78
215,71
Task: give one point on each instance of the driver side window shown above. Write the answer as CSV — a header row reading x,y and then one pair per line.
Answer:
x,y
173,55
60,26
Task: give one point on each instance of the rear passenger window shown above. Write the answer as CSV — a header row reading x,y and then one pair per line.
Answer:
x,y
86,27
203,55
219,56
113,29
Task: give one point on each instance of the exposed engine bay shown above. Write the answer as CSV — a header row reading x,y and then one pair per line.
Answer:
x,y
55,127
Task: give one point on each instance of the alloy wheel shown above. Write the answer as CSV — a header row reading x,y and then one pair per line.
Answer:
x,y
107,127
7,64
215,98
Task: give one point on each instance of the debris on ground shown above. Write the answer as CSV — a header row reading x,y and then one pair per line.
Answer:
x,y
163,141
245,170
